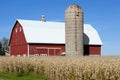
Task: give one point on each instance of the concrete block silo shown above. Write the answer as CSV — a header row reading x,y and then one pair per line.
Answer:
x,y
74,30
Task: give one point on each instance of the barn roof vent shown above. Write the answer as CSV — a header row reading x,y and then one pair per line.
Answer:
x,y
43,18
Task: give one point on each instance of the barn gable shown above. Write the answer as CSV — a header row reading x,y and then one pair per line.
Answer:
x,y
18,43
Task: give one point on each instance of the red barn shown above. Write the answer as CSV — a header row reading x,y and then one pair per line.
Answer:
x,y
30,37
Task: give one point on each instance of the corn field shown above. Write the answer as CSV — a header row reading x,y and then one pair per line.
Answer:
x,y
64,68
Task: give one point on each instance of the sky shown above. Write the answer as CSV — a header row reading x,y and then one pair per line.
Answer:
x,y
103,15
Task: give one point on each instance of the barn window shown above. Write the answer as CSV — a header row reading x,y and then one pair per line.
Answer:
x,y
20,29
16,29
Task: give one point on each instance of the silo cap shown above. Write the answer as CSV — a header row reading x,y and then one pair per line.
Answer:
x,y
74,8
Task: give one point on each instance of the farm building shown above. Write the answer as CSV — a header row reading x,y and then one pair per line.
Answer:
x,y
44,38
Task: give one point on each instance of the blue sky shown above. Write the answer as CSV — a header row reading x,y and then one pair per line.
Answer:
x,y
104,15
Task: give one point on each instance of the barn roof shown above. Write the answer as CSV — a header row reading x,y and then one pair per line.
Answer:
x,y
54,32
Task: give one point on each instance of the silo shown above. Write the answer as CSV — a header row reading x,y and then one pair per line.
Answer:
x,y
74,30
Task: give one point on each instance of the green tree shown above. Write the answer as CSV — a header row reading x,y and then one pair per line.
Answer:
x,y
5,44
0,46
2,52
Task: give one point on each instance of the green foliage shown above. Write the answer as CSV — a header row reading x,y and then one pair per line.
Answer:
x,y
4,46
2,52
5,43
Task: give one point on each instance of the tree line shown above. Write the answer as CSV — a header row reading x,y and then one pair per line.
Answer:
x,y
4,46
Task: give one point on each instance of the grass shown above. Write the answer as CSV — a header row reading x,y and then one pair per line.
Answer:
x,y
14,76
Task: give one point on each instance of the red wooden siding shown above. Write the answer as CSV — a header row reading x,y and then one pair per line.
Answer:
x,y
92,50
18,45
49,49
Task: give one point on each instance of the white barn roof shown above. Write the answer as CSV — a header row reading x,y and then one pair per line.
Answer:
x,y
54,32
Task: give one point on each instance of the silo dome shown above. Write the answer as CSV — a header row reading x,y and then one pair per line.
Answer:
x,y
73,8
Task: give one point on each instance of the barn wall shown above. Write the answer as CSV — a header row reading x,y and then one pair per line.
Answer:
x,y
92,49
18,45
43,49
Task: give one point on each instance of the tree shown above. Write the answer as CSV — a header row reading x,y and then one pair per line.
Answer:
x,y
2,52
4,46
5,43
0,46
